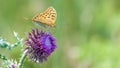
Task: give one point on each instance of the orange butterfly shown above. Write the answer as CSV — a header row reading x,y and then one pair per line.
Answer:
x,y
48,17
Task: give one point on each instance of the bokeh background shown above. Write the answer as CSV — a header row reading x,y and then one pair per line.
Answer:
x,y
87,31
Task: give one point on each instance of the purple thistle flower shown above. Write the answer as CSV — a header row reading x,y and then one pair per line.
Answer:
x,y
40,45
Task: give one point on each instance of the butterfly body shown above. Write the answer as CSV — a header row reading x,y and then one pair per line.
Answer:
x,y
48,17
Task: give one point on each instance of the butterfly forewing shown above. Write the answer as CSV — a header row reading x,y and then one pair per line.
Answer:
x,y
48,17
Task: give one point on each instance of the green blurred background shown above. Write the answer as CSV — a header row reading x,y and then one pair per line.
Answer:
x,y
87,31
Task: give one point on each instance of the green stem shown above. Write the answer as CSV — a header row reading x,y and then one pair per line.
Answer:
x,y
22,59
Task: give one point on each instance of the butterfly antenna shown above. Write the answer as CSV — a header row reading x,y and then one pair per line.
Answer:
x,y
28,19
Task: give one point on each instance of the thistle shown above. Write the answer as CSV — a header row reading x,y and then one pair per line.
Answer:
x,y
40,45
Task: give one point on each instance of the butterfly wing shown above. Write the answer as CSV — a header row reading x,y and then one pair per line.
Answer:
x,y
48,17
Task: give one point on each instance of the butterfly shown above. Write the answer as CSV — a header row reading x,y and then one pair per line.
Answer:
x,y
48,17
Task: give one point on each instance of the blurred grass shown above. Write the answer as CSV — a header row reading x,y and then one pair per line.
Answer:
x,y
87,31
